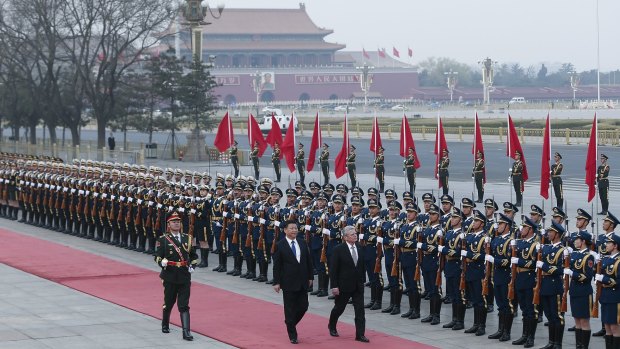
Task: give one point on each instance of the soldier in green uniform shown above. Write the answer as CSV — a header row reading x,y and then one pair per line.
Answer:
x,y
324,158
351,166
275,159
556,179
516,175
234,157
443,171
409,169
602,180
380,168
478,175
177,258
301,163
254,157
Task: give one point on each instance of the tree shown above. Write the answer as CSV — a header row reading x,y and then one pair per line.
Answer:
x,y
196,95
542,73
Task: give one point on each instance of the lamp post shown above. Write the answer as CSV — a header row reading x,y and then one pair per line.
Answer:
x,y
487,81
574,82
195,14
365,81
451,79
257,87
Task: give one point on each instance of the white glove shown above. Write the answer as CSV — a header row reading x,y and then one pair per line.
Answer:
x,y
225,214
181,209
47,186
87,192
218,224
307,227
361,236
513,243
190,269
569,249
510,169
224,201
495,225
72,191
396,241
596,256
538,246
568,272
439,233
509,179
566,252
326,231
81,192
65,189
95,194
418,245
514,260
139,201
539,264
487,239
237,216
276,223
150,203
599,277
170,208
128,199
159,205
379,239
250,218
262,221
463,253
360,221
164,262
440,248
208,196
104,195
489,259
462,235
342,219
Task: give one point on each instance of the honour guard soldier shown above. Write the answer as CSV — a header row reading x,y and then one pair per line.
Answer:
x,y
234,158
556,179
478,175
255,160
581,273
245,231
408,259
451,250
551,287
202,229
351,166
447,203
516,176
314,233
609,224
232,233
272,223
443,173
368,239
602,180
428,199
380,168
526,251
609,279
334,226
391,229
275,160
258,232
324,159
217,205
501,251
409,169
177,258
559,217
474,257
430,240
536,215
467,209
301,163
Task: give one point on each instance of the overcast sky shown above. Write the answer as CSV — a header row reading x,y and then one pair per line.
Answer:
x,y
524,31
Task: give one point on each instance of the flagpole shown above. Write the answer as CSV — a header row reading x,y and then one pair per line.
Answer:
x,y
318,124
509,155
375,131
438,145
294,144
473,179
404,150
550,189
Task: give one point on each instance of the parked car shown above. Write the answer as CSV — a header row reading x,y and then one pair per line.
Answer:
x,y
399,107
344,108
434,105
517,100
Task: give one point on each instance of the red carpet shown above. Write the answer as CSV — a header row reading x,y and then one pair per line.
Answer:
x,y
228,317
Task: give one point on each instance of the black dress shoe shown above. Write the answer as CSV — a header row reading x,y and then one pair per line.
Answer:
x,y
294,341
362,339
333,332
571,329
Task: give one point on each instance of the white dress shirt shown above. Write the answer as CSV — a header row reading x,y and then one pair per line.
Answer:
x,y
297,250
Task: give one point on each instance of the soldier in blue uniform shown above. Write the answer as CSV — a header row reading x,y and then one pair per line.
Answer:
x,y
609,224
467,208
581,272
243,211
609,277
428,199
391,229
451,250
490,213
259,223
368,239
217,209
318,217
430,262
551,288
335,224
474,256
407,240
272,216
447,203
526,250
501,251
232,234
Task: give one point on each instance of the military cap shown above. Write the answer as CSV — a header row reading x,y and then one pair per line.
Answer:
x,y
219,176
356,200
456,212
528,222
307,194
407,195
447,199
338,199
557,212
328,188
237,185
263,189
490,203
248,187
583,235
558,154
299,185
509,206
467,202
229,177
300,144
251,180
353,147
610,217
428,197
604,156
395,205
479,216
614,239
434,209
381,147
173,217
534,209
291,192
581,213
342,188
220,185
504,219
555,226
390,194
446,150
235,142
326,145
373,191
374,203
314,185
410,206
276,191
322,196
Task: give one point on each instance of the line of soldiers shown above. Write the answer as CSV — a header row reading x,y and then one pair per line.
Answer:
x,y
483,255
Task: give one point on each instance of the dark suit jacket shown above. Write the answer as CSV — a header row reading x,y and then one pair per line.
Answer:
x,y
287,272
343,273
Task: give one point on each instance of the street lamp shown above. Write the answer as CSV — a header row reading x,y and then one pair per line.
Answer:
x,y
574,82
257,87
365,81
487,80
451,77
195,14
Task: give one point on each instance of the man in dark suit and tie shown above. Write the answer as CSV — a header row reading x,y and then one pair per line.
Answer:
x,y
347,276
292,272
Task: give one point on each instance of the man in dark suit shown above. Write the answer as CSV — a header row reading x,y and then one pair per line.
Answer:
x,y
347,275
292,272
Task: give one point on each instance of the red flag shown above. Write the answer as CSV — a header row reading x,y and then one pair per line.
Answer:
x,y
366,55
406,141
288,146
381,53
440,146
341,159
478,145
275,134
256,135
514,145
315,144
395,52
375,138
224,137
591,160
545,170
410,51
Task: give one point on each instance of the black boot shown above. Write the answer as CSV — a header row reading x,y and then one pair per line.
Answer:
x,y
416,306
429,318
551,342
398,296
526,331
410,298
187,335
378,298
373,297
500,330
437,310
532,333
204,258
391,306
319,285
459,324
507,328
585,338
223,263
482,322
609,342
616,343
578,344
559,336
165,321
140,244
219,264
322,285
454,316
599,333
252,269
474,328
238,264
